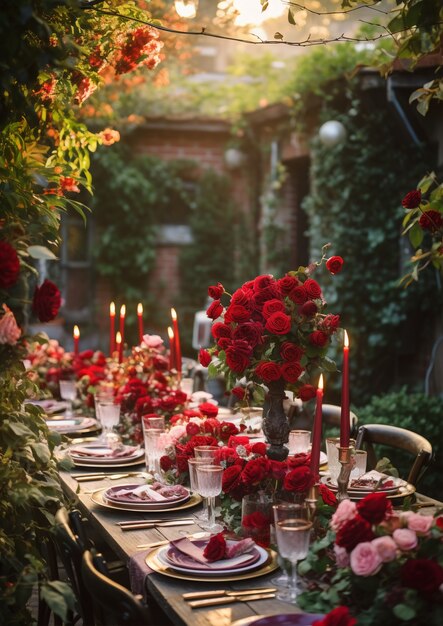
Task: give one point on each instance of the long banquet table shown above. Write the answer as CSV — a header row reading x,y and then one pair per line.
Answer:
x,y
167,592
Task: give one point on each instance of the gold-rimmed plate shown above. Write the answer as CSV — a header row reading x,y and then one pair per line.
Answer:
x,y
101,466
97,498
157,566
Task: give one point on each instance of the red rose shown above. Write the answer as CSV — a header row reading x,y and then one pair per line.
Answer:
x,y
307,392
248,285
242,298
334,264
221,330
262,296
214,310
165,463
261,282
216,291
312,288
339,616
290,352
9,265
412,199
251,332
273,306
439,522
257,519
299,479
238,356
431,220
235,441
259,448
231,479
308,309
46,302
192,429
424,575
204,357
182,463
354,531
291,371
330,323
223,343
278,469
268,371
327,495
298,295
278,323
255,471
208,409
287,284
298,459
374,507
239,392
227,430
237,313
318,338
215,548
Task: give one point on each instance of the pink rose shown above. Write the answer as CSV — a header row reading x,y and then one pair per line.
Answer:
x,y
405,539
421,524
152,341
346,510
9,329
341,556
386,548
365,560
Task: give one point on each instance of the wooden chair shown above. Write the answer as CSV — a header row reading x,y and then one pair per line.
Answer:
x,y
113,604
331,414
399,438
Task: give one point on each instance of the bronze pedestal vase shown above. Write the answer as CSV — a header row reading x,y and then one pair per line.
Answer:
x,y
275,422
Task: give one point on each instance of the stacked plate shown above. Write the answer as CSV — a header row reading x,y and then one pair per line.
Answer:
x,y
49,405
374,481
145,498
99,455
72,425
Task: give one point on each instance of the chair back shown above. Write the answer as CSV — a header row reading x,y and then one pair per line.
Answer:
x,y
331,414
114,605
400,438
70,548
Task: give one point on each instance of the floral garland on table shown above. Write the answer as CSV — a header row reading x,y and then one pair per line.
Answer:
x,y
272,329
385,566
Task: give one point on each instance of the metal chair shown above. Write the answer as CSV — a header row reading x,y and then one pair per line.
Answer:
x,y
399,438
113,604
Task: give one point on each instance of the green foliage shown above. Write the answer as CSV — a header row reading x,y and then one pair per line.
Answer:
x,y
413,411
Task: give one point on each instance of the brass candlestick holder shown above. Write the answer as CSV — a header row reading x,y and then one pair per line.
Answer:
x,y
345,458
311,500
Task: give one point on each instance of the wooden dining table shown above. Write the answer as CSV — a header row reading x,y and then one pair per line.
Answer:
x,y
165,591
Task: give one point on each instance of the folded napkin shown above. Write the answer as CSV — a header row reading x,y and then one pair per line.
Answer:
x,y
234,554
138,571
104,452
140,492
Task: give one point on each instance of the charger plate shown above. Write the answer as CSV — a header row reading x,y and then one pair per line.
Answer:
x,y
123,465
157,566
287,619
403,491
97,498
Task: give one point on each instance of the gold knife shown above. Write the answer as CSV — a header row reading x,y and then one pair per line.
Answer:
x,y
197,595
195,604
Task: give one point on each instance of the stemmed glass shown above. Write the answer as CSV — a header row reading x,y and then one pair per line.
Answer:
x,y
293,532
206,452
68,392
108,411
209,482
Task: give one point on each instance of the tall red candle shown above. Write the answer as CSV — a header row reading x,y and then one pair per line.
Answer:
x,y
140,322
317,430
111,329
119,346
178,352
76,335
122,323
172,356
345,416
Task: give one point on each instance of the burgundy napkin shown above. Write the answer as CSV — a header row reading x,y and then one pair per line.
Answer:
x,y
138,570
190,549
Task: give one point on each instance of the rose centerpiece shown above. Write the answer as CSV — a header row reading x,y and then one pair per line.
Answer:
x,y
274,333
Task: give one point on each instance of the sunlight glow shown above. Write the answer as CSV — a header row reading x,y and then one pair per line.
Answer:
x,y
186,8
251,13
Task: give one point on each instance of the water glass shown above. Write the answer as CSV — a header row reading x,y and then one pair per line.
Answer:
x,y
193,482
206,452
108,411
293,534
68,392
153,421
154,448
256,518
334,465
299,441
187,386
209,481
360,461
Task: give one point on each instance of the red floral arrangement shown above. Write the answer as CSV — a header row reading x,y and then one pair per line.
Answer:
x,y
272,329
9,265
46,302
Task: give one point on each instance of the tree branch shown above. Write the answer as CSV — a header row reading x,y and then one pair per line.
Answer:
x,y
341,12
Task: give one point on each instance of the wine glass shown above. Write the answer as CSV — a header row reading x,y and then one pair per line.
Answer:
x,y
108,410
206,452
209,481
68,392
293,532
193,482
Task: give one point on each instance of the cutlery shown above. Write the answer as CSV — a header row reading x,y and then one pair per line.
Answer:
x,y
155,521
197,595
153,525
164,542
195,604
81,478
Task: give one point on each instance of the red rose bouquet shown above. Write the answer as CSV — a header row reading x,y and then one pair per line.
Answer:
x,y
272,329
384,565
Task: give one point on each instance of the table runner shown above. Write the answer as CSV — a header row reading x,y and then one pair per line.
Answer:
x,y
138,570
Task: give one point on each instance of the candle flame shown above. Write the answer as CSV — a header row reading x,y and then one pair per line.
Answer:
x,y
173,314
170,333
346,340
118,337
76,332
320,382
139,308
112,309
123,310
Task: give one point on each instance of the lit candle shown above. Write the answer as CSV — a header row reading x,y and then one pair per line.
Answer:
x,y
119,346
122,322
178,352
317,430
171,348
140,322
111,329
344,416
76,335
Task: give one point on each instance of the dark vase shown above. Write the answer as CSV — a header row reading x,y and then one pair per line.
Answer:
x,y
275,422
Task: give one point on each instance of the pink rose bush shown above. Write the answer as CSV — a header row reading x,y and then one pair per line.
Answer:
x,y
9,329
385,566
